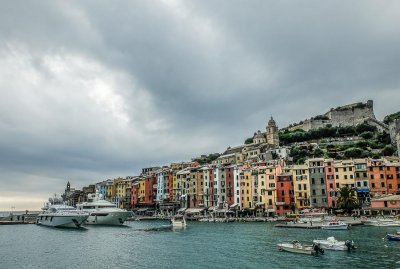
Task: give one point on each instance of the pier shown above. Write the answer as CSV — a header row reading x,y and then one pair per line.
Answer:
x,y
19,219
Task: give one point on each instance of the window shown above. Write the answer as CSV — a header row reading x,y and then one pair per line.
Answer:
x,y
337,185
345,176
336,170
305,186
350,168
322,181
323,191
373,185
372,176
383,184
390,186
314,201
312,181
313,192
283,193
344,169
337,176
381,176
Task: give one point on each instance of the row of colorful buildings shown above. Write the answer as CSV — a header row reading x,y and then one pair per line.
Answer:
x,y
264,188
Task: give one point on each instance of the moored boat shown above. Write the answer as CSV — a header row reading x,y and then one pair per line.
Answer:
x,y
296,247
178,221
335,225
332,244
103,212
61,216
381,222
393,237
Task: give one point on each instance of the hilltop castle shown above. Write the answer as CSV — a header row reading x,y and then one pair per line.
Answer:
x,y
342,116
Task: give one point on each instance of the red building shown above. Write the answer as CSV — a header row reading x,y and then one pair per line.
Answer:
x,y
330,182
230,197
284,194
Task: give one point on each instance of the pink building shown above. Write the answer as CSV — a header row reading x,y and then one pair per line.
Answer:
x,y
386,205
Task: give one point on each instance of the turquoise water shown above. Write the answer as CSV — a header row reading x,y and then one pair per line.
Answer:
x,y
149,244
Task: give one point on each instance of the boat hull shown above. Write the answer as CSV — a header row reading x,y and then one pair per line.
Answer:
x,y
339,227
73,221
108,218
393,237
306,250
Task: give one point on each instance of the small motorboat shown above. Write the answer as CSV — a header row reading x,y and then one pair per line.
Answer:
x,y
393,237
332,244
297,247
178,221
335,225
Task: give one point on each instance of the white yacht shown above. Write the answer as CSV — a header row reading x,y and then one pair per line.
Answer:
x,y
103,212
60,215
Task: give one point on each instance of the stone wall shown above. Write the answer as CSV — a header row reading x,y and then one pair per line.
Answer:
x,y
348,115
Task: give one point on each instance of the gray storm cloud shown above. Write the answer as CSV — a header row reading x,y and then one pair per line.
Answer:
x,y
94,90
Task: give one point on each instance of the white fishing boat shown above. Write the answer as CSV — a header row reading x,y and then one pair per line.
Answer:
x,y
61,215
178,221
297,247
335,225
332,244
103,212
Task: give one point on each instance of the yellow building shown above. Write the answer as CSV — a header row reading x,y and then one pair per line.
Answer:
x,y
344,173
271,171
246,189
301,185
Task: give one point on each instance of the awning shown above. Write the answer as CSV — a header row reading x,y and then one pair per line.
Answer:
x,y
269,210
142,209
211,208
194,210
234,205
259,203
183,195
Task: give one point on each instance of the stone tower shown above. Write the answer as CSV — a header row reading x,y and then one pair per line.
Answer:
x,y
272,133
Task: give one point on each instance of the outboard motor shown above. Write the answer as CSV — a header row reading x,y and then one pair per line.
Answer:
x,y
318,249
349,244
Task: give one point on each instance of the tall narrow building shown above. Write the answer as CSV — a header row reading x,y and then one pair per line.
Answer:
x,y
272,133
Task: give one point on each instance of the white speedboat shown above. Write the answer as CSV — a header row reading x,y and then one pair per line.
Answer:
x,y
178,221
335,225
332,244
61,216
297,247
103,212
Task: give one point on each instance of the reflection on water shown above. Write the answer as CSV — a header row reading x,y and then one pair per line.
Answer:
x,y
153,244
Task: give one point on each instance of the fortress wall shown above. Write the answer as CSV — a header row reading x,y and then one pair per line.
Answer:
x,y
351,115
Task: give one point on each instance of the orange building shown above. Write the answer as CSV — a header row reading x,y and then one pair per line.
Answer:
x,y
377,178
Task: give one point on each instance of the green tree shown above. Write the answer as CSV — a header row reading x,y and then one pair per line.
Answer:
x,y
348,199
388,150
248,140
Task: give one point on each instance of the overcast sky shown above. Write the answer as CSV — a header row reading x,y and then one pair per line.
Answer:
x,y
92,90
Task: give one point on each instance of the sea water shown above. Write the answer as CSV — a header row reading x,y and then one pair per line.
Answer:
x,y
152,244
